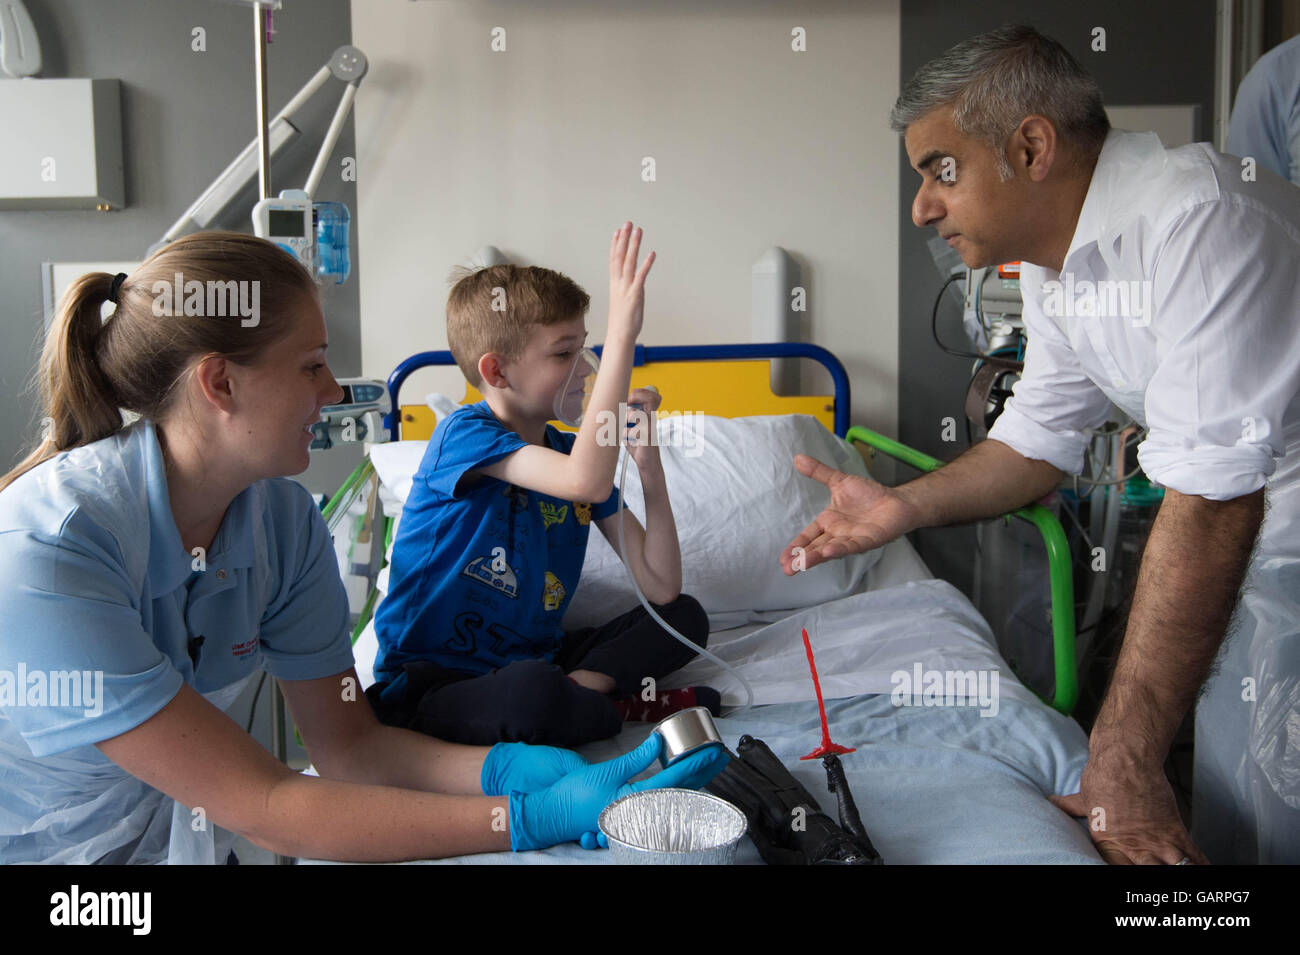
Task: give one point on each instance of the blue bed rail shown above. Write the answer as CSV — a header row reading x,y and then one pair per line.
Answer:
x,y
653,353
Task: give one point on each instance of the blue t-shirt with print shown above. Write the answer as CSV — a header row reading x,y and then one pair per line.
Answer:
x,y
482,570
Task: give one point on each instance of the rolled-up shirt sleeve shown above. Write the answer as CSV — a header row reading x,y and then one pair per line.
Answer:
x,y
1226,290
1054,403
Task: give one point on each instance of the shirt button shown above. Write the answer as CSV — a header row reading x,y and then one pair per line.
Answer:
x,y
221,575
1120,383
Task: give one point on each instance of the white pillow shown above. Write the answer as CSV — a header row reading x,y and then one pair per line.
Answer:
x,y
396,463
737,502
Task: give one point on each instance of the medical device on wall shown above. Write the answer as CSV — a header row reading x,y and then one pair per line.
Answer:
x,y
319,236
993,307
287,221
317,233
358,417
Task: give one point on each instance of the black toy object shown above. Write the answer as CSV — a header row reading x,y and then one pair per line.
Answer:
x,y
785,822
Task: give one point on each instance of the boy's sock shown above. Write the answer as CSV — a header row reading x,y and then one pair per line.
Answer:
x,y
668,702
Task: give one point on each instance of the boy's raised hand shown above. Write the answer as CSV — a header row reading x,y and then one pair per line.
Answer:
x,y
627,282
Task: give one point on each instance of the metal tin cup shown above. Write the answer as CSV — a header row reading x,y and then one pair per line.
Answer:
x,y
685,732
672,827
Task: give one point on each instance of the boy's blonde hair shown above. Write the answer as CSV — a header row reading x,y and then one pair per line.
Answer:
x,y
494,310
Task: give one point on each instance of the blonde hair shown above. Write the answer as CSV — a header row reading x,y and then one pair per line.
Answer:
x,y
494,309
140,358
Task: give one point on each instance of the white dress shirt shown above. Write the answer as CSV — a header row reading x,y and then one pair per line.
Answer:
x,y
1205,352
1178,301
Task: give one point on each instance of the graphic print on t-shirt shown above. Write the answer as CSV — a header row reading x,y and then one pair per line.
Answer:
x,y
492,571
471,639
553,592
552,513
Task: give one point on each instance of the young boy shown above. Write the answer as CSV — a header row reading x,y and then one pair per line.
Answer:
x,y
493,533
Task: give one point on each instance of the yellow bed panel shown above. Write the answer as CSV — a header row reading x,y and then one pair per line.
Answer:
x,y
727,389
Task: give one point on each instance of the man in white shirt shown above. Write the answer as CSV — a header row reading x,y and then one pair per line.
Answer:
x,y
1159,281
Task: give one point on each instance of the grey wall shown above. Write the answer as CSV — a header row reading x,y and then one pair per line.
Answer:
x,y
185,115
1159,52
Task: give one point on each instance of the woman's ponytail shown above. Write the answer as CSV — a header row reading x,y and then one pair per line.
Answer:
x,y
139,358
77,398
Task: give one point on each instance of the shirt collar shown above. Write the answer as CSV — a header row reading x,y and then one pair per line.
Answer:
x,y
170,564
1126,167
234,545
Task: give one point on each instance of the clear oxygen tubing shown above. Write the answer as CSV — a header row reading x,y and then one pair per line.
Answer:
x,y
702,651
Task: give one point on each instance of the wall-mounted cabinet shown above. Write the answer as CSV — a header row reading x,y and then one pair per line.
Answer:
x,y
62,144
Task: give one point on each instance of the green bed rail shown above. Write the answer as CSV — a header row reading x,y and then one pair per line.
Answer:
x,y
1058,562
368,610
338,505
334,510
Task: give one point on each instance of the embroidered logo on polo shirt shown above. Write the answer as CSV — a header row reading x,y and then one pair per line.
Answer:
x,y
246,648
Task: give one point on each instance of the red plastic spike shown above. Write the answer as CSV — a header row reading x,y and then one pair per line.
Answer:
x,y
827,747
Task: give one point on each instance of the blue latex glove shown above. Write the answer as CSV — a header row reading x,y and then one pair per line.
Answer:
x,y
519,766
567,811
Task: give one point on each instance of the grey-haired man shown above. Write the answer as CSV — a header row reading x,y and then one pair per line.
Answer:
x,y
1018,162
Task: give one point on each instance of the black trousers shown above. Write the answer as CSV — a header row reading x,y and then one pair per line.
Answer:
x,y
532,701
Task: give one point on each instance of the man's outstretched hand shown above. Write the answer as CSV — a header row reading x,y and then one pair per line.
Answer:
x,y
863,515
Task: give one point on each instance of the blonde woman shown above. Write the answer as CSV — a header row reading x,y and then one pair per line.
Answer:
x,y
151,570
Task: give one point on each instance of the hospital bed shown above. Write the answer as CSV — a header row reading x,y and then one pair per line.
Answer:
x,y
958,775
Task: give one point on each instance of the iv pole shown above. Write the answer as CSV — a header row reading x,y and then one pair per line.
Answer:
x,y
347,63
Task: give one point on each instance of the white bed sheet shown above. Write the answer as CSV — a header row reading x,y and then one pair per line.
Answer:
x,y
898,564
936,784
950,784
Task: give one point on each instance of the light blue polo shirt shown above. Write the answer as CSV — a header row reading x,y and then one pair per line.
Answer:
x,y
103,616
